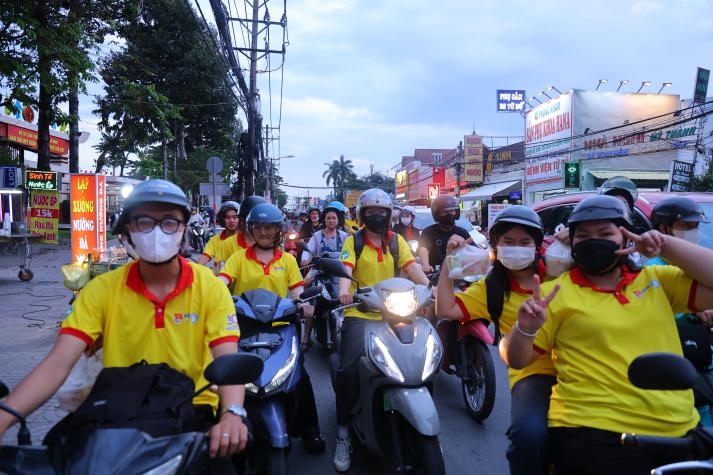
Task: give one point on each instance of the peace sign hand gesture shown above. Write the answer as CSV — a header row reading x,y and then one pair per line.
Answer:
x,y
532,314
648,244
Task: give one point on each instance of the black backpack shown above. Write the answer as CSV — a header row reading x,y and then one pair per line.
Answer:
x,y
393,248
153,398
495,294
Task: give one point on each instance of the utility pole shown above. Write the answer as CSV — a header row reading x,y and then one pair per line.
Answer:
x,y
459,166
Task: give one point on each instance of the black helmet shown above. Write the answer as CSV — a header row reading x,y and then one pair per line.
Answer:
x,y
266,213
442,203
517,214
152,191
599,207
620,186
228,205
677,208
248,204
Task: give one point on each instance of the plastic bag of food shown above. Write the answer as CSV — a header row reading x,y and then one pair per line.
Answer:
x,y
76,387
468,261
76,275
558,258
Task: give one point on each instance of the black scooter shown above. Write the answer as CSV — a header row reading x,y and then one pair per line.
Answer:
x,y
124,451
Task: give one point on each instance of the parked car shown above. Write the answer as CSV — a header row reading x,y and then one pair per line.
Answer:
x,y
555,210
424,219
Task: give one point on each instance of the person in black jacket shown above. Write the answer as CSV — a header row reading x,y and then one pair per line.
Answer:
x,y
433,241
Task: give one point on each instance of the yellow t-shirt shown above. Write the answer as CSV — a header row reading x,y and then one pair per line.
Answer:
x,y
374,265
196,316
474,304
352,225
244,271
220,247
595,334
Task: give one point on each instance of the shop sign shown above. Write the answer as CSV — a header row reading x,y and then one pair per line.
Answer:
x,y
509,100
433,191
571,175
87,214
701,91
44,215
680,176
35,180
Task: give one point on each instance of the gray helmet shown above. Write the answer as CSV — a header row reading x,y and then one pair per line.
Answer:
x,y
517,214
677,208
228,205
442,203
620,186
266,213
599,207
152,191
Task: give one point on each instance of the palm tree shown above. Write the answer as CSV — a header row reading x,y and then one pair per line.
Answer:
x,y
338,173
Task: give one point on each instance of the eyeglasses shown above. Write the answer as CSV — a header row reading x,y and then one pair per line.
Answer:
x,y
146,224
375,212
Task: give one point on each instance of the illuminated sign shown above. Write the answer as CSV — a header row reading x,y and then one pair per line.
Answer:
x,y
433,191
35,180
510,100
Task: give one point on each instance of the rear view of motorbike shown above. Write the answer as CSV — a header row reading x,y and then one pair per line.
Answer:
x,y
327,319
197,237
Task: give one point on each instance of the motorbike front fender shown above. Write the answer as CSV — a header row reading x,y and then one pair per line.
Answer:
x,y
270,422
417,407
475,328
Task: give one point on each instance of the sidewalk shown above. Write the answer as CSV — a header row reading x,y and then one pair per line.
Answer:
x,y
29,321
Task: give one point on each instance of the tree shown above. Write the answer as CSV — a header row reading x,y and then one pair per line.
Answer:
x,y
339,172
280,198
167,84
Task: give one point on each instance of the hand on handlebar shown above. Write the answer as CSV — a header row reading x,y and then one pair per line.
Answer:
x,y
346,298
307,310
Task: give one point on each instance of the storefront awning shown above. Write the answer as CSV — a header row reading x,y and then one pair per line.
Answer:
x,y
486,192
631,174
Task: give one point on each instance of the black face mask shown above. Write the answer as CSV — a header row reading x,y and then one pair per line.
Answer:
x,y
447,220
376,223
596,256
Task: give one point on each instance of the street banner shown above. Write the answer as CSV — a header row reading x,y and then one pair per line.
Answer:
x,y
87,214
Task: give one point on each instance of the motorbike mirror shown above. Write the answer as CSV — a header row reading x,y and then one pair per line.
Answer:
x,y
332,266
310,293
3,390
662,371
234,368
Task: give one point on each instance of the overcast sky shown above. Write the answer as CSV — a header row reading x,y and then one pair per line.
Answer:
x,y
376,79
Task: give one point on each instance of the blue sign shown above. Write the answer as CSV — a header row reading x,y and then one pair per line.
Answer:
x,y
515,195
9,177
510,100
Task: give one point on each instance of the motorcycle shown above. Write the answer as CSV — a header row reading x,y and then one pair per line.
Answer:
x,y
291,242
395,413
269,328
327,321
198,239
123,451
666,371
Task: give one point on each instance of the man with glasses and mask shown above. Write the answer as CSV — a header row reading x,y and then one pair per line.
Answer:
x,y
434,239
162,309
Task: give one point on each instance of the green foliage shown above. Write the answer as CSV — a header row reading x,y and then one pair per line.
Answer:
x,y
339,172
704,182
280,198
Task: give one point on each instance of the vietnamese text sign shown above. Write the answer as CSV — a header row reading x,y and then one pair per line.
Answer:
x,y
701,91
88,214
44,215
28,138
37,180
509,100
679,178
473,157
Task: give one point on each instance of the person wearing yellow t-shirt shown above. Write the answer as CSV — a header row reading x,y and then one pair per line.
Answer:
x,y
351,221
374,264
516,234
162,309
264,266
595,320
221,246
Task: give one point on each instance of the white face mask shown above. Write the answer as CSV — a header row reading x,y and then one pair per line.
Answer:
x,y
690,235
516,257
406,220
156,246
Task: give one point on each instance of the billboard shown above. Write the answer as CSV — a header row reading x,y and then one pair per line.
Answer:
x,y
548,134
87,213
473,158
510,100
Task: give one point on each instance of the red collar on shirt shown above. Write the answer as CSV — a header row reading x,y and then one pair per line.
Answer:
x,y
515,285
250,254
241,240
627,277
136,283
378,248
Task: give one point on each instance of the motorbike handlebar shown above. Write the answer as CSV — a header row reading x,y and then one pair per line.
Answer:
x,y
652,441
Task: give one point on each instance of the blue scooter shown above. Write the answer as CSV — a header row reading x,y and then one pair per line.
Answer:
x,y
270,329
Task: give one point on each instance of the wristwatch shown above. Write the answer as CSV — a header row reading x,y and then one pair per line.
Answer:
x,y
236,409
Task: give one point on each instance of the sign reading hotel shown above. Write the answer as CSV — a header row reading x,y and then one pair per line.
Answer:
x,y
44,215
473,156
87,214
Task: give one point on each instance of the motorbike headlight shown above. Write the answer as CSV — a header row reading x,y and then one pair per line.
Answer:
x,y
285,371
169,467
402,304
292,236
434,351
382,358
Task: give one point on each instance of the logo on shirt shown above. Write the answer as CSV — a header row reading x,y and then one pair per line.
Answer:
x,y
233,322
653,283
181,317
344,255
278,269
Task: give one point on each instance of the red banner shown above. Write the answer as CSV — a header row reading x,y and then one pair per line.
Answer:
x,y
28,138
88,214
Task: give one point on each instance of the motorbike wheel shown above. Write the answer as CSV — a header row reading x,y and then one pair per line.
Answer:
x,y
427,455
478,379
276,463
